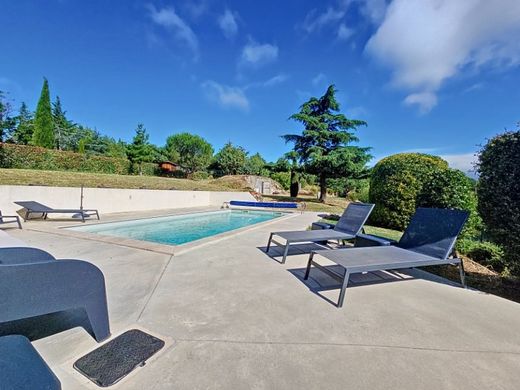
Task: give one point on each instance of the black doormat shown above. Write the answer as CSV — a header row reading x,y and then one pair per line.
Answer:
x,y
116,359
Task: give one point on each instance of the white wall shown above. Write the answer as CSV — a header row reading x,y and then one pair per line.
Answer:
x,y
111,200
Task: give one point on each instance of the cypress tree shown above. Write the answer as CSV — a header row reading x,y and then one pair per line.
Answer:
x,y
43,134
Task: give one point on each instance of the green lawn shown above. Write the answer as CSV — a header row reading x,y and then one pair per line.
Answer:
x,y
98,180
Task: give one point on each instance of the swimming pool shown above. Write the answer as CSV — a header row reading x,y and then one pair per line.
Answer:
x,y
180,229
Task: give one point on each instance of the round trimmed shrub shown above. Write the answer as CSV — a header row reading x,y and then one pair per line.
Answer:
x,y
395,185
498,192
452,189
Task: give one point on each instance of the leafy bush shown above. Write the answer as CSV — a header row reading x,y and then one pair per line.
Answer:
x,y
284,178
200,175
33,157
452,189
395,185
498,194
485,253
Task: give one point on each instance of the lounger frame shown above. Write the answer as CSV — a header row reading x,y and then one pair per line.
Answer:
x,y
38,208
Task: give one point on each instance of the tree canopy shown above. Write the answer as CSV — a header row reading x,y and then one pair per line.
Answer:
x,y
230,160
43,134
190,151
324,145
140,150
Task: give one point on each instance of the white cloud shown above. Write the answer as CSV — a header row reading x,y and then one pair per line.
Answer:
x,y
258,54
430,41
169,19
226,96
228,24
424,100
278,79
464,162
318,79
344,32
315,21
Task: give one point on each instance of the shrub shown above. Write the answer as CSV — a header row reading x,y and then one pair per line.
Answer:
x,y
200,175
498,192
284,178
395,184
452,189
33,157
485,253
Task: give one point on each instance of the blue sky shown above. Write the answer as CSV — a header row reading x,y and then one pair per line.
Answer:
x,y
436,76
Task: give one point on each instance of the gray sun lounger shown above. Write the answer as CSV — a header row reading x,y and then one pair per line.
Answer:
x,y
348,226
428,240
32,207
34,283
5,219
22,367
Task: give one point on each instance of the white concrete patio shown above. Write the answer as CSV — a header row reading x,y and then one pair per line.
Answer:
x,y
234,318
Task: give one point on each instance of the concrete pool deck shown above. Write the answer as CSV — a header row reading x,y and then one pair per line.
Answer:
x,y
234,318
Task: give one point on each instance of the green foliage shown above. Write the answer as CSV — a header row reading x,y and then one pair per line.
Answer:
x,y
23,133
64,130
395,184
352,189
32,157
43,134
483,252
7,122
324,146
498,193
200,175
190,151
284,178
255,165
140,150
452,189
229,160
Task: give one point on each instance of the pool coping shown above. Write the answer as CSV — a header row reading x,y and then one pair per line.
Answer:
x,y
59,227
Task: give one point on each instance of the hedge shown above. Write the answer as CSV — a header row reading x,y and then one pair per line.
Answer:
x,y
452,189
33,157
498,194
395,184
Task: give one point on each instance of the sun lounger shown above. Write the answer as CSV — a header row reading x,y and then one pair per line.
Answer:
x,y
428,240
32,207
4,219
348,226
34,283
22,367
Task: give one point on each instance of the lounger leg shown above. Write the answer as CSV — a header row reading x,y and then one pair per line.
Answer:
x,y
19,223
309,264
269,242
97,214
26,216
285,252
98,317
462,274
343,289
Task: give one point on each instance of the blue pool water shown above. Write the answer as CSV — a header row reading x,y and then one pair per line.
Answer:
x,y
181,229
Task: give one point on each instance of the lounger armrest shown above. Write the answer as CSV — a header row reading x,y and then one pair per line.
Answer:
x,y
322,225
24,255
364,240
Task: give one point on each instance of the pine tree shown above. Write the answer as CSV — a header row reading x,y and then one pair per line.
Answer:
x,y
7,122
43,124
63,128
140,150
324,145
24,126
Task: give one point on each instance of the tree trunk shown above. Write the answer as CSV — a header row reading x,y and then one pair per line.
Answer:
x,y
323,188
